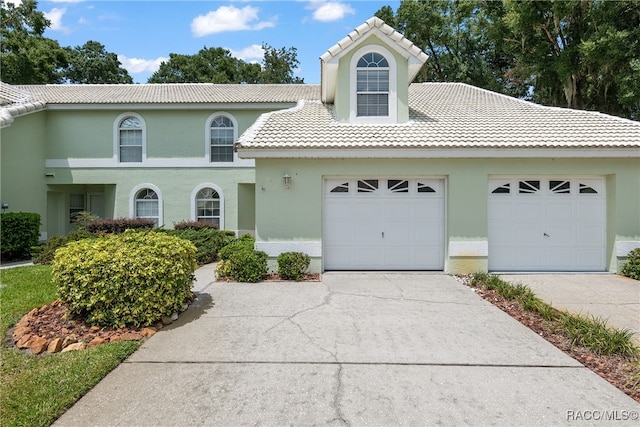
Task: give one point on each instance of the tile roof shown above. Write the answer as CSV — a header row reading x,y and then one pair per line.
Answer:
x,y
15,102
177,93
445,115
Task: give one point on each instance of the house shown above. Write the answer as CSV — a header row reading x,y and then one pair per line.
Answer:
x,y
365,171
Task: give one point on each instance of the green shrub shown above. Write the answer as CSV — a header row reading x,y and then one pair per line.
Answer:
x,y
19,232
240,261
134,278
44,253
208,241
196,225
595,334
293,265
248,265
632,266
118,225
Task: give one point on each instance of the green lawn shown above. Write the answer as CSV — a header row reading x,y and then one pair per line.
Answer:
x,y
36,390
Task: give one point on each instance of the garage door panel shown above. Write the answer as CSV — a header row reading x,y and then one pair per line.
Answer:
x,y
561,226
399,225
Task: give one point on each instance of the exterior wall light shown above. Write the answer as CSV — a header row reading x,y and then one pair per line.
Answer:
x,y
287,180
5,206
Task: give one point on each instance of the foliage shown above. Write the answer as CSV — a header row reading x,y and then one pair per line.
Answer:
x,y
216,65
19,232
118,225
632,267
240,261
45,253
209,65
195,225
92,64
134,278
293,265
278,65
208,241
26,56
592,333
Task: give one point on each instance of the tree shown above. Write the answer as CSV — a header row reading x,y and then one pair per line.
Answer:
x,y
278,65
209,65
216,65
92,64
26,56
579,54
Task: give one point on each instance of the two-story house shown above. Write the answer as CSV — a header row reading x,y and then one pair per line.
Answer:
x,y
365,171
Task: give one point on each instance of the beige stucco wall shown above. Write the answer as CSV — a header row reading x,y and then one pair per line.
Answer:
x,y
295,214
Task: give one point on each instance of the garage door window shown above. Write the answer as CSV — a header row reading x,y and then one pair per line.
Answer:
x,y
367,186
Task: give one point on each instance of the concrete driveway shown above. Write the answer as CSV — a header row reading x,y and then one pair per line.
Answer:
x,y
381,349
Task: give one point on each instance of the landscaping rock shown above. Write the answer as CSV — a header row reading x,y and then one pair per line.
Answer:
x,y
68,340
38,345
24,341
148,332
166,320
96,341
131,336
55,346
74,347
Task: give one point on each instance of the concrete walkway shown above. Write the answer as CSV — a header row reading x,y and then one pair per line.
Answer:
x,y
381,349
608,296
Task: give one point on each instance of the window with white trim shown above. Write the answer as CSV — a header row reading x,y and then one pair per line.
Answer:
x,y
208,206
221,139
76,205
147,205
130,140
372,85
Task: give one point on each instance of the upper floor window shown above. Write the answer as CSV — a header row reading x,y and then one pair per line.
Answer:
x,y
372,85
130,136
222,136
147,205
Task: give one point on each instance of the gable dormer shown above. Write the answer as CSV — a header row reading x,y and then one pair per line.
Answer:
x,y
367,74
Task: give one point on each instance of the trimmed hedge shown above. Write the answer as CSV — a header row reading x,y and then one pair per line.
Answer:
x,y
19,232
194,225
133,278
632,267
293,265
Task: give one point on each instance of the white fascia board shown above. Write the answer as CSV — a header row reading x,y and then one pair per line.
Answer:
x,y
437,153
175,106
195,162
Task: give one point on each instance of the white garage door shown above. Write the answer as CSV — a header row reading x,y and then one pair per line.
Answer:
x,y
383,224
547,224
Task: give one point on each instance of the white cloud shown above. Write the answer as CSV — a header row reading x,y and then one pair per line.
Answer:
x,y
330,11
55,16
137,65
253,53
228,18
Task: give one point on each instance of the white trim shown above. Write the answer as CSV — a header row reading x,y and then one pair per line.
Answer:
x,y
393,87
186,162
623,247
477,248
116,136
273,249
132,201
218,190
438,153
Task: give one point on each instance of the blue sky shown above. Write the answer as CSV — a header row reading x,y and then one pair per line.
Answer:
x,y
143,33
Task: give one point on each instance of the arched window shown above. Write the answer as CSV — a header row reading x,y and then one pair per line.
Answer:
x,y
130,140
208,206
372,85
147,205
222,133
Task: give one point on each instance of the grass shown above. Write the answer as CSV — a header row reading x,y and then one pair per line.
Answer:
x,y
590,332
36,390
